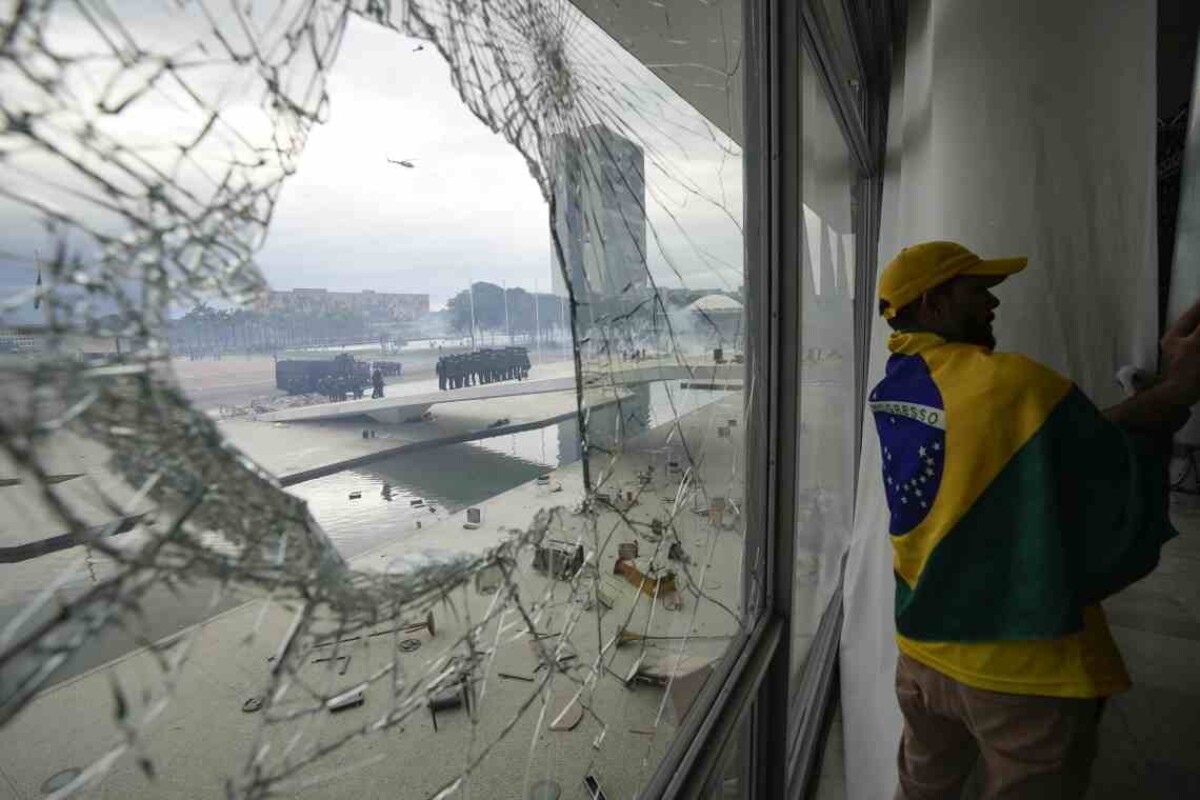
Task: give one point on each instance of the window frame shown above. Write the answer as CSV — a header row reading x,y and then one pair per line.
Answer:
x,y
753,682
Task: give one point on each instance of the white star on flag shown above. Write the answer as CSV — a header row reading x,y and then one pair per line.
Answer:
x,y
922,452
937,445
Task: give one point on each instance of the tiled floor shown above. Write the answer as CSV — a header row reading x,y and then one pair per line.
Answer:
x,y
1150,736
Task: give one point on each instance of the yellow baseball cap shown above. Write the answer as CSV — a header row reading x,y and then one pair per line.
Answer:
x,y
917,269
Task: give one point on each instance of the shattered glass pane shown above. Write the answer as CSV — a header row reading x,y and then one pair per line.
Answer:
x,y
311,483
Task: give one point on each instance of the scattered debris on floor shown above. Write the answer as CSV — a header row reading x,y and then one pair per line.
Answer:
x,y
593,787
512,676
348,699
568,717
557,558
345,659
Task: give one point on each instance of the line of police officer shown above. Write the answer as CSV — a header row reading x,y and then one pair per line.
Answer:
x,y
340,387
482,366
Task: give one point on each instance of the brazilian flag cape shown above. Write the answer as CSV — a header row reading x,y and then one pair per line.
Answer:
x,y
1014,503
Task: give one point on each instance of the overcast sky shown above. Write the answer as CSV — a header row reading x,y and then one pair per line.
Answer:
x,y
469,208
349,220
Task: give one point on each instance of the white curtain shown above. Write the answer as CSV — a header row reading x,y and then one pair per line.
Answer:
x,y
1016,127
1185,266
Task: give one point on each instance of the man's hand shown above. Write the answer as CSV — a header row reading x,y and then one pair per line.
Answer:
x,y
1162,408
1181,357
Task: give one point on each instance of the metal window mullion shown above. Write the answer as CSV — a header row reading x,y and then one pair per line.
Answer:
x,y
814,698
782,216
732,690
833,78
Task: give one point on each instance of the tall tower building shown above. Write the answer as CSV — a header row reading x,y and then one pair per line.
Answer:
x,y
599,181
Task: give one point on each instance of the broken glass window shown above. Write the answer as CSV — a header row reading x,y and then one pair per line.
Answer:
x,y
510,575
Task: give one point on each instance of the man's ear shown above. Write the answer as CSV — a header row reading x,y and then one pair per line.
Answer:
x,y
935,305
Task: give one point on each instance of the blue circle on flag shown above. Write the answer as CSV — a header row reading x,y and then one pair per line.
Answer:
x,y
911,421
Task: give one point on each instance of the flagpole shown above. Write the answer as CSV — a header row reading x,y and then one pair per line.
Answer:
x,y
537,321
507,329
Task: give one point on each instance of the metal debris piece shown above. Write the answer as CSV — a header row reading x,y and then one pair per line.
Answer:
x,y
633,671
60,779
252,704
355,495
558,558
409,645
593,787
348,699
512,676
345,659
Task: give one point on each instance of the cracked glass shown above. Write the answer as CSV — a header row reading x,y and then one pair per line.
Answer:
x,y
374,386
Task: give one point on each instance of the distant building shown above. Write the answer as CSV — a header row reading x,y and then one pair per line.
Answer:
x,y
374,306
37,339
718,318
599,183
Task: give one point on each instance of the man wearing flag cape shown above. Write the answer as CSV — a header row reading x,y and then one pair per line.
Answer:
x,y
1016,506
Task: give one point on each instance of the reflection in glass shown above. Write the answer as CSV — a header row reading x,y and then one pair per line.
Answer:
x,y
825,474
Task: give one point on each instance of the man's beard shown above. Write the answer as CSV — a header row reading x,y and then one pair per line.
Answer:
x,y
981,334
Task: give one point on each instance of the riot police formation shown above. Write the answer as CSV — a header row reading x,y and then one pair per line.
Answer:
x,y
482,366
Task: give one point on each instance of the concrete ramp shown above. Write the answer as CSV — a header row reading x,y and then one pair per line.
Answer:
x,y
404,407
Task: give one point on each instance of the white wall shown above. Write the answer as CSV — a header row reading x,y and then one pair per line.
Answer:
x,y
1017,127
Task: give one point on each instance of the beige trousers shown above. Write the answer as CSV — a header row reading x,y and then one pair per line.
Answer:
x,y
1030,747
